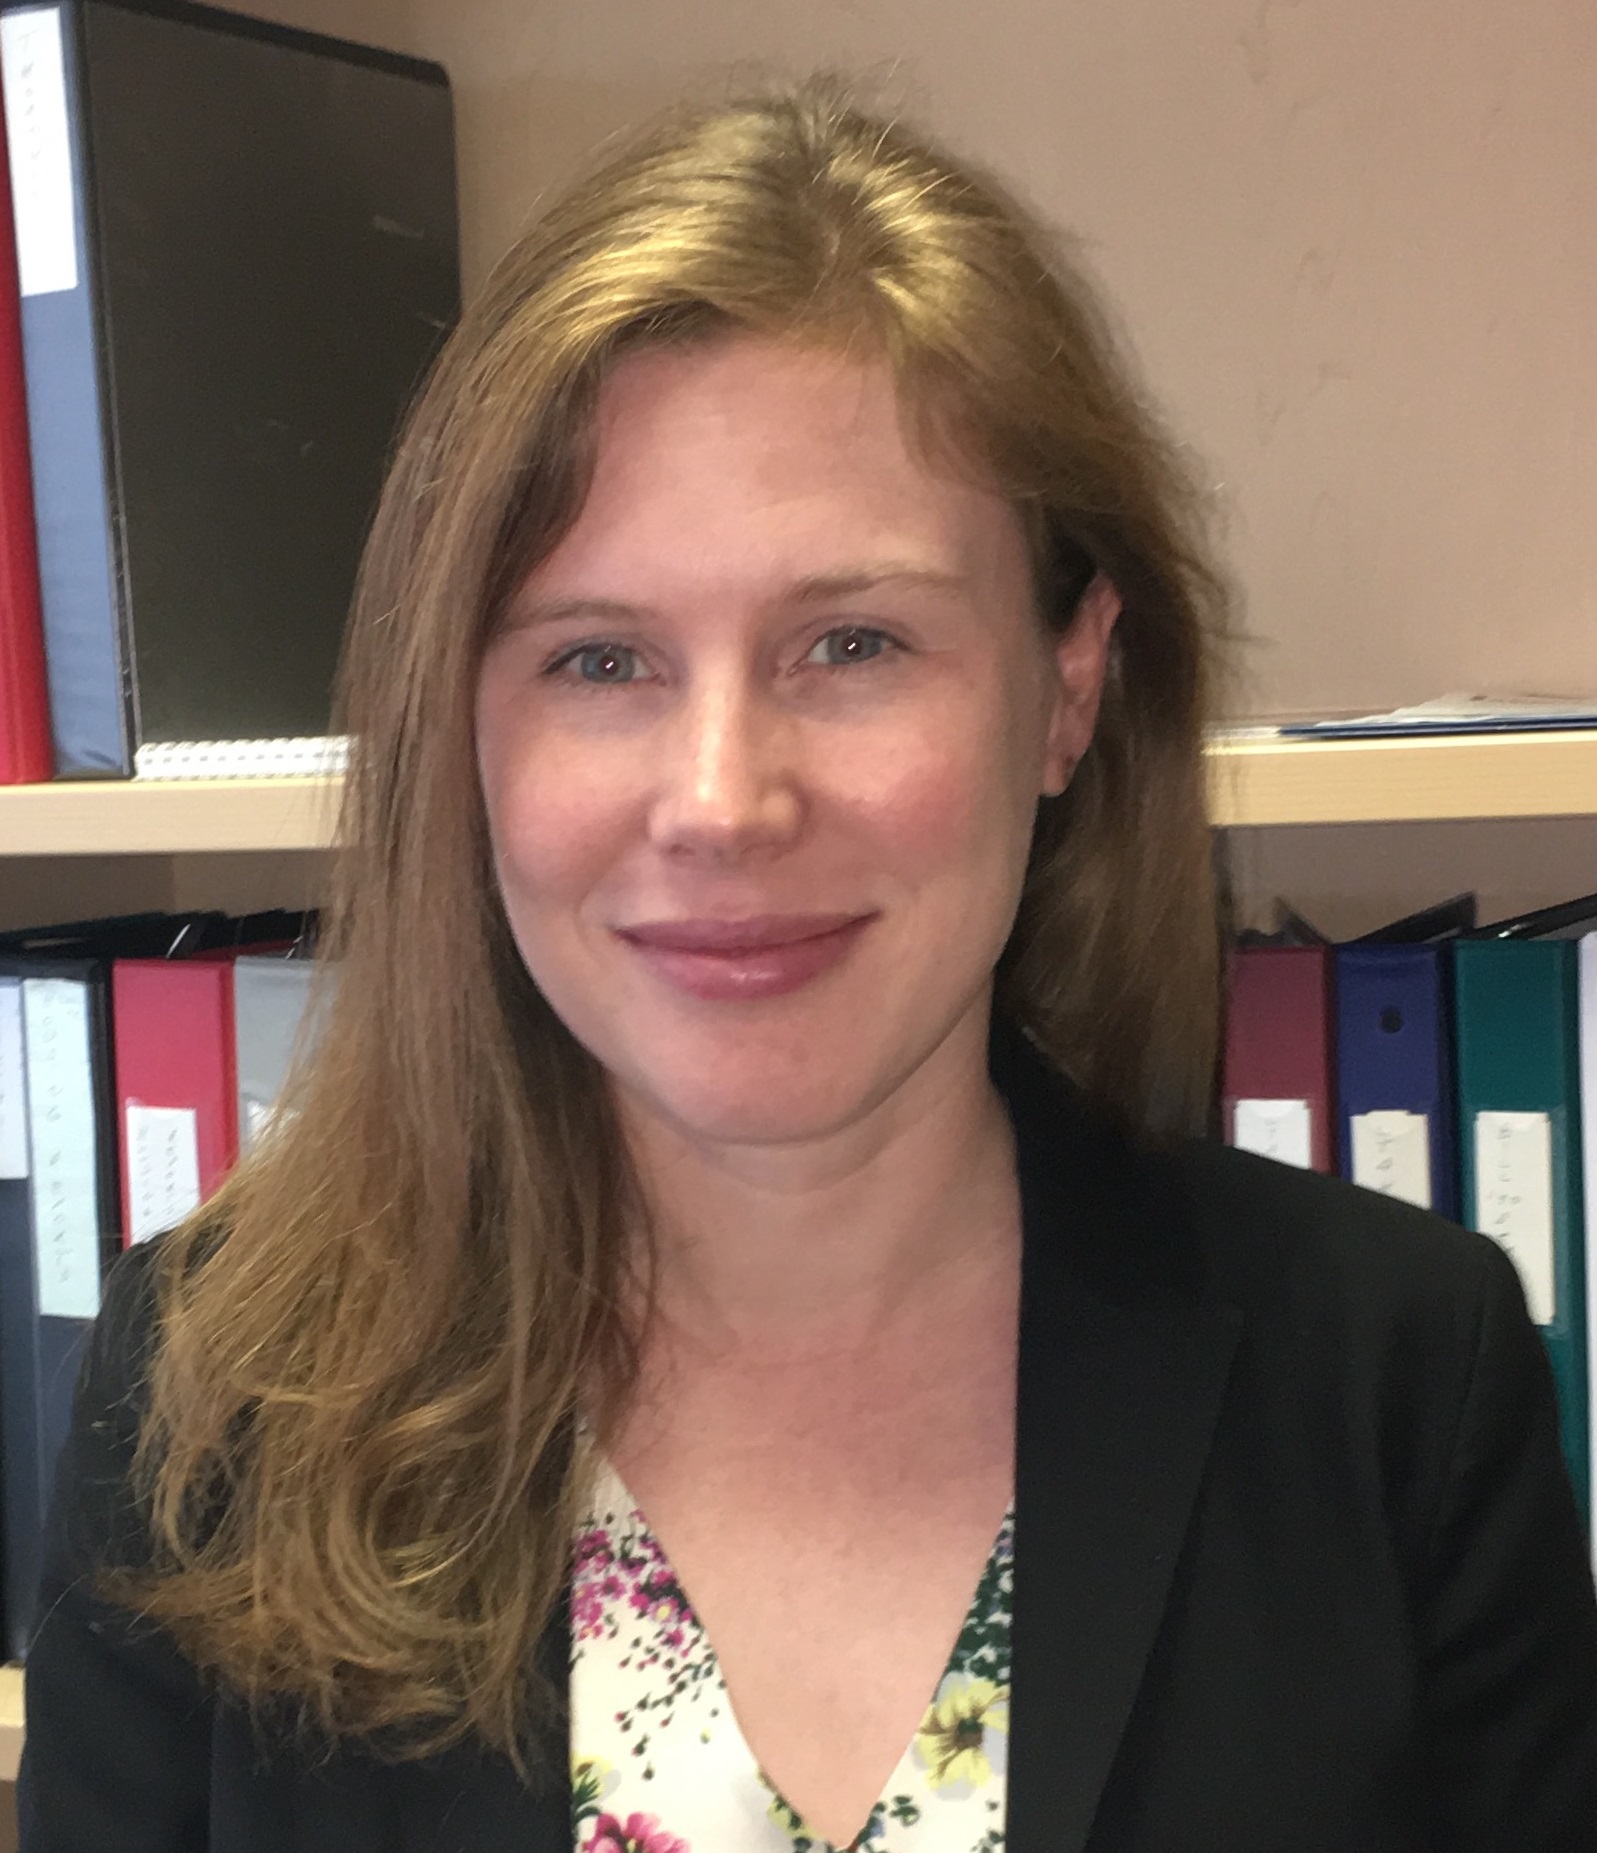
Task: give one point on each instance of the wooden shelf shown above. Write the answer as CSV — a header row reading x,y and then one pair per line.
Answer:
x,y
10,1722
1254,779
166,817
1265,780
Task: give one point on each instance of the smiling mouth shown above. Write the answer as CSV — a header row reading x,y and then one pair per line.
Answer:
x,y
728,938
740,961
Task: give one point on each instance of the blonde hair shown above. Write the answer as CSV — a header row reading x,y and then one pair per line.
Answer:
x,y
374,1341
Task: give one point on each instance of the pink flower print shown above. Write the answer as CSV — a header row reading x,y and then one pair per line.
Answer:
x,y
641,1834
587,1611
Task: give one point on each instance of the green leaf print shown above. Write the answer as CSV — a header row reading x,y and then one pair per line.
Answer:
x,y
589,1779
785,1815
982,1650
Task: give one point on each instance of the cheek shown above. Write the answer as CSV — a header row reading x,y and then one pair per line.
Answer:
x,y
553,822
948,805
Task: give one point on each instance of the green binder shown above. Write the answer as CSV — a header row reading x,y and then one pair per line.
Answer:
x,y
1518,1017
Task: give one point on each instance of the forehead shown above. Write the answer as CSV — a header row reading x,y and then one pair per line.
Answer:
x,y
749,455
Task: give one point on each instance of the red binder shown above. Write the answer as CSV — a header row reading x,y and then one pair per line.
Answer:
x,y
25,753
176,1085
1277,1091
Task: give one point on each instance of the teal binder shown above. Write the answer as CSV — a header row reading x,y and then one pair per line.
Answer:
x,y
1518,1026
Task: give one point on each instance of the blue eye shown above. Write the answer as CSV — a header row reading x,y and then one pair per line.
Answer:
x,y
604,665
852,643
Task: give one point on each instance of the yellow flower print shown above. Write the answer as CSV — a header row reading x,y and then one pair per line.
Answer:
x,y
592,1781
963,1741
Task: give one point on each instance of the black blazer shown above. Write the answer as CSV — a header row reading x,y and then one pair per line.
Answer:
x,y
1297,1568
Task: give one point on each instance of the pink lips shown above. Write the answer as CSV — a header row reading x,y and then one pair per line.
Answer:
x,y
765,955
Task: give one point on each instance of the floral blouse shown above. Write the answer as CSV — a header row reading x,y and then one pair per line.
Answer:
x,y
659,1765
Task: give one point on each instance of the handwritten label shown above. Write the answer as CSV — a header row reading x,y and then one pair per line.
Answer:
x,y
163,1168
13,1083
1392,1154
1279,1129
61,1135
1514,1199
39,143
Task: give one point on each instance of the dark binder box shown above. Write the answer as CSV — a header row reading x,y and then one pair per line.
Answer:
x,y
239,254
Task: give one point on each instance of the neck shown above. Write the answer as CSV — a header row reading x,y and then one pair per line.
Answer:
x,y
803,1252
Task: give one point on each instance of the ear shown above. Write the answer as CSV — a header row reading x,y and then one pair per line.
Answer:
x,y
1081,659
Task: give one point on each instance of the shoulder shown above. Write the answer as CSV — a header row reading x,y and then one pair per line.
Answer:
x,y
1193,1217
1355,1301
1371,1337
1373,1332
1269,1232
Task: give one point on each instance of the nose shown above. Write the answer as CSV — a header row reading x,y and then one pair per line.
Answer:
x,y
727,784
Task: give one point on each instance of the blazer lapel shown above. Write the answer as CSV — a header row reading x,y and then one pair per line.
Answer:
x,y
1123,1364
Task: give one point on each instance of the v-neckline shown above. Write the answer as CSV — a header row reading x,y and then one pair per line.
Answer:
x,y
610,1493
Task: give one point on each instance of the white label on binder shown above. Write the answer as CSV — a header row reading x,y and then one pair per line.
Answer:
x,y
39,143
163,1168
1514,1199
1392,1154
1279,1129
13,1085
66,1158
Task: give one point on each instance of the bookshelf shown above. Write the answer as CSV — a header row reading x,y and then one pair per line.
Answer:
x,y
1254,781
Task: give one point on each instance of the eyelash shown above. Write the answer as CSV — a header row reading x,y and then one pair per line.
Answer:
x,y
557,666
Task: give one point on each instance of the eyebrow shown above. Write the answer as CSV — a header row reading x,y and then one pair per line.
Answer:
x,y
812,589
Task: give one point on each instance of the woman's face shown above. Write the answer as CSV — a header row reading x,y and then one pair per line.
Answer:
x,y
761,744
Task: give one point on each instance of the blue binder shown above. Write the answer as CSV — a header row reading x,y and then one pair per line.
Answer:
x,y
56,1148
1394,1057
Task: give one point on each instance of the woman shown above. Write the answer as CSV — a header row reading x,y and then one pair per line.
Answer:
x,y
778,678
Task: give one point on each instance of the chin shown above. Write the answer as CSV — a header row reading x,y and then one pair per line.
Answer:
x,y
787,1080
735,1099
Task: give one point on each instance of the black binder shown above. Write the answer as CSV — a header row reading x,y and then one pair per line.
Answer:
x,y
239,253
57,1198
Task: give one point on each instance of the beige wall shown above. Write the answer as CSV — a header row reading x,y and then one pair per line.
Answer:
x,y
1355,245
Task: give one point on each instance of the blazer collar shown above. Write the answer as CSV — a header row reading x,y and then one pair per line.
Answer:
x,y
1123,1364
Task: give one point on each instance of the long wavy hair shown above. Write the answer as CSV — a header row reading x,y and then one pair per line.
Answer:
x,y
375,1341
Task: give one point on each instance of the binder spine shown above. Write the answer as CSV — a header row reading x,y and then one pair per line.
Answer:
x,y
19,1434
176,1087
1394,1070
1520,1146
51,1218
69,439
1277,1092
25,756
1588,1094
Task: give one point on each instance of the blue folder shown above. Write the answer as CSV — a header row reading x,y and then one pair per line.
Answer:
x,y
1394,1053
